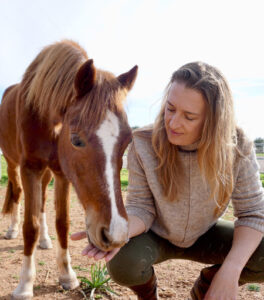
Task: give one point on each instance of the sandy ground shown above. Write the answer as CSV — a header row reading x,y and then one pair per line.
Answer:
x,y
175,277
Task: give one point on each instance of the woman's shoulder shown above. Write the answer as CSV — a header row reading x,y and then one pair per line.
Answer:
x,y
143,135
143,132
244,144
142,139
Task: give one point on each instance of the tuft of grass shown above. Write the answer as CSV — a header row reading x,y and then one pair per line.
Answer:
x,y
11,251
98,282
79,268
41,263
37,287
253,287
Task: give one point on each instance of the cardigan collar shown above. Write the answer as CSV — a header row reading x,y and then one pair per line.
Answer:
x,y
189,148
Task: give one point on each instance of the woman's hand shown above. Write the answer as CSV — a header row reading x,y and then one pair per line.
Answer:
x,y
135,227
224,286
225,283
92,251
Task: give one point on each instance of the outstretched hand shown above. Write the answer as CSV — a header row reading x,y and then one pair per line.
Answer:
x,y
224,286
92,251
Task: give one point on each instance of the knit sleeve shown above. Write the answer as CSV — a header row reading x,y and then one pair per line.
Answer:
x,y
248,196
139,200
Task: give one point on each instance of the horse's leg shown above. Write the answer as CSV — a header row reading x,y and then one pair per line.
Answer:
x,y
44,239
31,179
12,199
67,277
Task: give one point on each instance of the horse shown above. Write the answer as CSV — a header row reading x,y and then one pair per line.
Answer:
x,y
65,118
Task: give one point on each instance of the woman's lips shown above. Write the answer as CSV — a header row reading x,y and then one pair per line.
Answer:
x,y
176,133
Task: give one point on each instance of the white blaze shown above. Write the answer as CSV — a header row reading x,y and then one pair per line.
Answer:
x,y
108,134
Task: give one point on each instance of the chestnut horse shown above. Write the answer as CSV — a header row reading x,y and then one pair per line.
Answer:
x,y
67,117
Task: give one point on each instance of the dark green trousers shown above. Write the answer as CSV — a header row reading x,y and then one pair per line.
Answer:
x,y
133,263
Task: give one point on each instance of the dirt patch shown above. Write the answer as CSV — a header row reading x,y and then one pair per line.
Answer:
x,y
175,277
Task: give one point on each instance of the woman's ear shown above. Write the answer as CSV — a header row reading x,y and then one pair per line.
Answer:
x,y
85,78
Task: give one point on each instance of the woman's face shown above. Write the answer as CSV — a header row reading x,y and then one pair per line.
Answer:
x,y
185,112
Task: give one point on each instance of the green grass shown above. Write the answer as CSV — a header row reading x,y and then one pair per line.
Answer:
x,y
262,179
98,282
260,154
79,268
51,184
124,179
253,287
3,180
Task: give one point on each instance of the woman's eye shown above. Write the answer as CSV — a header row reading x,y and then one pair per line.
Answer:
x,y
76,140
189,119
170,109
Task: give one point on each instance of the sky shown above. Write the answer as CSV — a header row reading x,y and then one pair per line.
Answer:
x,y
157,35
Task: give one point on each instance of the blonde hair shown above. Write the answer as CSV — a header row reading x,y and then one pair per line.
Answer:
x,y
218,139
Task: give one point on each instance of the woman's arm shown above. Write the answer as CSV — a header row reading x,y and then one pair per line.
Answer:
x,y
135,226
225,282
245,242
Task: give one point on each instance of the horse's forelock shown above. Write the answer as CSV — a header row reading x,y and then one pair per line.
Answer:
x,y
105,96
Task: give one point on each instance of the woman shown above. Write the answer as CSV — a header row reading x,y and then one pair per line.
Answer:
x,y
183,171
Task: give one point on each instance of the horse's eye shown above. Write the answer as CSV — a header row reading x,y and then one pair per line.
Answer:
x,y
76,141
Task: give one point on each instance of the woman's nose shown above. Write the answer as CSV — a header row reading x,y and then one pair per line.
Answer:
x,y
175,121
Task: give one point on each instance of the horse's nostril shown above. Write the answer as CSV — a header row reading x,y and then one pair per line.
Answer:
x,y
106,238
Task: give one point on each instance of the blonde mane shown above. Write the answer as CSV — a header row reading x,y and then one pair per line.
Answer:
x,y
48,84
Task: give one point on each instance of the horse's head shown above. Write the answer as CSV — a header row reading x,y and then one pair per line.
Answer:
x,y
94,136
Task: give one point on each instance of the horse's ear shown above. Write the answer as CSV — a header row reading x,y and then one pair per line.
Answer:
x,y
85,78
127,79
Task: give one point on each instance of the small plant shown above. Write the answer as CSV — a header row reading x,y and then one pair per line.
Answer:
x,y
79,268
253,287
99,281
41,263
37,287
11,251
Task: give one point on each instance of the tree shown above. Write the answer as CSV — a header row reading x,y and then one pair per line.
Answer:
x,y
259,140
259,145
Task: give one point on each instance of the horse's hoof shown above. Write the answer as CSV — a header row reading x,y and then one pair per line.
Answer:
x,y
25,296
11,234
69,283
45,244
